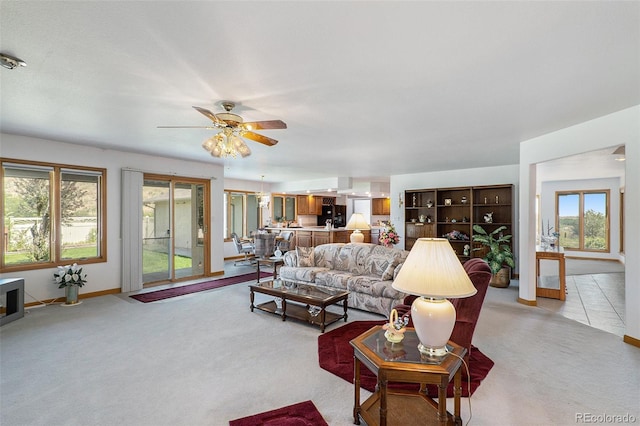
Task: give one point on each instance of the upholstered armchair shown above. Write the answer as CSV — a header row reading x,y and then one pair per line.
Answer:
x,y
467,309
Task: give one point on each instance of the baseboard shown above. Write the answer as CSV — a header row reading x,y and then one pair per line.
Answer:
x,y
80,296
592,258
631,340
527,302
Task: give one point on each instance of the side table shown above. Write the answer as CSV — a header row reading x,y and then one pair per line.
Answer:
x,y
273,261
403,363
551,254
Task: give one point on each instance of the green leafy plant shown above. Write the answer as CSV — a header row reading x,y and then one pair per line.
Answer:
x,y
499,252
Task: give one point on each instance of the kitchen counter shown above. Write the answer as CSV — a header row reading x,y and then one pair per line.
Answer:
x,y
311,236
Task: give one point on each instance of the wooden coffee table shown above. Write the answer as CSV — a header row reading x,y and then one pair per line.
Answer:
x,y
311,301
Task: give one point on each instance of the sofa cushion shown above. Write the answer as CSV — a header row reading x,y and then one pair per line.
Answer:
x,y
325,254
305,256
347,260
374,286
333,279
300,274
377,265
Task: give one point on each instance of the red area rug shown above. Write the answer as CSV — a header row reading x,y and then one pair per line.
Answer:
x,y
300,414
168,293
335,355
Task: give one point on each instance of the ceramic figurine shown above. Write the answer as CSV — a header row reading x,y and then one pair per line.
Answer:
x,y
395,328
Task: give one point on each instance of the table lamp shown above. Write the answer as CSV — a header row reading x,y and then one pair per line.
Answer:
x,y
433,272
356,224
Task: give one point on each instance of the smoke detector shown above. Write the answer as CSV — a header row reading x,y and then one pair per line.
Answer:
x,y
11,62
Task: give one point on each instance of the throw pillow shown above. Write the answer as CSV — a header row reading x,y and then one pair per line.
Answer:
x,y
389,272
397,270
305,256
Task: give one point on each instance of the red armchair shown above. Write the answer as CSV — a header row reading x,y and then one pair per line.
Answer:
x,y
467,309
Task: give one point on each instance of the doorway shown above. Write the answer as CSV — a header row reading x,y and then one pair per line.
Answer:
x,y
174,231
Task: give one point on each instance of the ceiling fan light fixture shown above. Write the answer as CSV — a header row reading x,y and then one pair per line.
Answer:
x,y
240,146
11,62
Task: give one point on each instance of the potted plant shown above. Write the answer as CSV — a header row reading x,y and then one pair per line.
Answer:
x,y
498,253
70,277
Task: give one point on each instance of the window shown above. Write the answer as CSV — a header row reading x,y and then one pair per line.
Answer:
x,y
242,213
52,215
583,220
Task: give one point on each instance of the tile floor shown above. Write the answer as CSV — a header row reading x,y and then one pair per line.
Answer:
x,y
593,299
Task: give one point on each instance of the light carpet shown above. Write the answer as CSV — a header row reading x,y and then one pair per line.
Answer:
x,y
204,359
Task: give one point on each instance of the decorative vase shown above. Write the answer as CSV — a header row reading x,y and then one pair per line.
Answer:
x,y
71,294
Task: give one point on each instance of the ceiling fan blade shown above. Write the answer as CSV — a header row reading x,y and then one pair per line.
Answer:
x,y
211,116
259,138
268,125
188,127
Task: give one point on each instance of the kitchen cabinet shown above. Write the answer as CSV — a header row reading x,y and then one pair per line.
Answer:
x,y
381,206
308,205
304,239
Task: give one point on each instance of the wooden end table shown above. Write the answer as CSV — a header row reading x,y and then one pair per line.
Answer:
x,y
403,363
274,262
556,253
311,306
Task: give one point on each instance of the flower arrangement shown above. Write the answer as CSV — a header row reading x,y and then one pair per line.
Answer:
x,y
70,275
456,235
389,236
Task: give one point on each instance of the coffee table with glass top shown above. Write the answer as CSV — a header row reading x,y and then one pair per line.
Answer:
x,y
310,302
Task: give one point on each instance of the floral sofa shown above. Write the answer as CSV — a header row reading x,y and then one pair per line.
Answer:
x,y
365,270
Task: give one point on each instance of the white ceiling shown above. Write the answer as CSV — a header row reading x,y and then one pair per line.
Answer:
x,y
401,87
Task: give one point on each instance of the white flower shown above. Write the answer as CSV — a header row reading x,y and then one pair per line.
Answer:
x,y
67,277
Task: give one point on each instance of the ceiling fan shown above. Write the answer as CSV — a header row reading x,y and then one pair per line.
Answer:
x,y
228,142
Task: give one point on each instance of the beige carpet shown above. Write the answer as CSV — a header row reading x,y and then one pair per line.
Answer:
x,y
204,359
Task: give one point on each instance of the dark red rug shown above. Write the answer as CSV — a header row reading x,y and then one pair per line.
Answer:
x,y
168,293
335,355
300,414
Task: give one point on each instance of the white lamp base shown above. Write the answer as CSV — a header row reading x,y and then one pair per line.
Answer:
x,y
357,236
433,320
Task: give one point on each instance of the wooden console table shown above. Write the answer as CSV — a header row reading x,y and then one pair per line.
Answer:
x,y
551,254
402,362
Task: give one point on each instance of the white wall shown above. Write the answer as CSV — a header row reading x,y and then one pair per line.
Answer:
x,y
614,129
106,276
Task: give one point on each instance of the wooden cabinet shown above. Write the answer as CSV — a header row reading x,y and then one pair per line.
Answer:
x,y
302,204
452,212
317,206
304,239
308,204
381,206
320,238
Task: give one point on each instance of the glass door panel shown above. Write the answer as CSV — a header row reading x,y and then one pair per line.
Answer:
x,y
156,231
174,229
188,205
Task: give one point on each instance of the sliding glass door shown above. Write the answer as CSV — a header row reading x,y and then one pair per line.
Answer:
x,y
174,236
